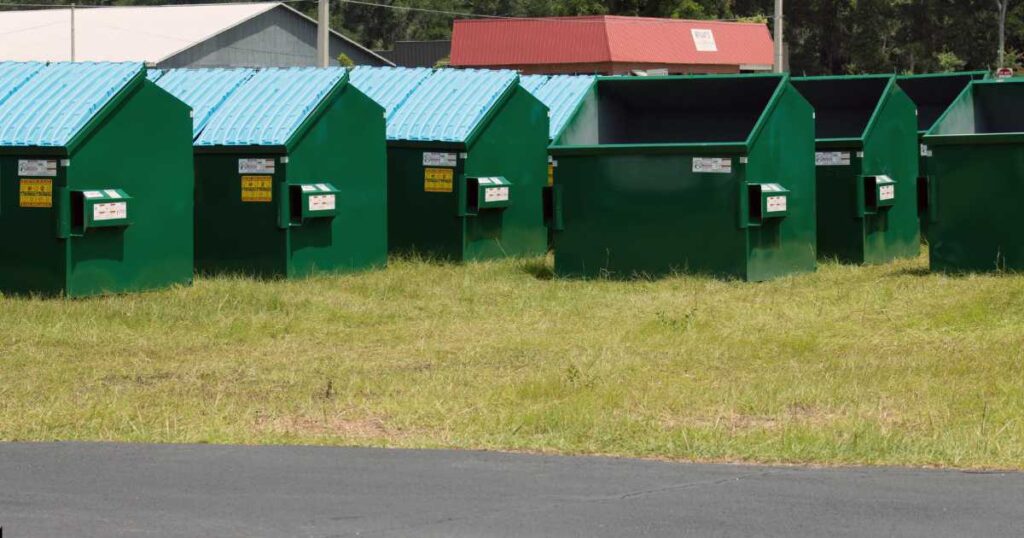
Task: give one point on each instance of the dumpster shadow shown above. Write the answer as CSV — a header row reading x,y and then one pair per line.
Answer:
x,y
539,268
913,271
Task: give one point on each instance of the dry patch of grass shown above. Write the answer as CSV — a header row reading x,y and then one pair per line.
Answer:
x,y
866,365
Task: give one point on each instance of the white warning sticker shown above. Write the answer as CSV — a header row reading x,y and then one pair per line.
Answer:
x,y
776,204
439,159
112,194
832,158
925,151
887,192
42,168
92,194
321,202
309,188
110,211
255,166
712,165
496,194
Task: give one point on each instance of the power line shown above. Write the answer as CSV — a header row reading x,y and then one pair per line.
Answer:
x,y
424,10
383,6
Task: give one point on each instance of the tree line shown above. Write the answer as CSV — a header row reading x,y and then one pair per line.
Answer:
x,y
822,36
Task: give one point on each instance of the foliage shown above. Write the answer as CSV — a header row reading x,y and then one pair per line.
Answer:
x,y
823,36
345,61
949,61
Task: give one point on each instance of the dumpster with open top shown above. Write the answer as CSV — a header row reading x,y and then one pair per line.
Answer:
x,y
866,158
96,162
932,93
977,181
702,174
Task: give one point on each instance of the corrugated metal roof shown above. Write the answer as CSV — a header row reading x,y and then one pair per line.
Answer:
x,y
154,74
532,83
51,107
388,86
269,107
605,39
203,89
449,105
562,95
14,74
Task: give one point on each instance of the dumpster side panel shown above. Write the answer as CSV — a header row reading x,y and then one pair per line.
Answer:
x,y
513,145
977,191
840,228
423,221
232,235
32,258
345,147
891,148
628,215
143,147
784,153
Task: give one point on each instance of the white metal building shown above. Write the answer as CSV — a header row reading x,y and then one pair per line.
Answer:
x,y
254,34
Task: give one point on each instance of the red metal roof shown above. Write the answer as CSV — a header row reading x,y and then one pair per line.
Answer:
x,y
576,40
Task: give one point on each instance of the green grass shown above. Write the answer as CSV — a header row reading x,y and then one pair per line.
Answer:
x,y
851,365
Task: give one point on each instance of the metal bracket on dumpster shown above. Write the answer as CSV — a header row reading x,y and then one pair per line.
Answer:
x,y
482,193
82,210
766,201
878,194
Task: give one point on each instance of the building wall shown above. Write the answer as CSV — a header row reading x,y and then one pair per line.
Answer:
x,y
277,38
418,53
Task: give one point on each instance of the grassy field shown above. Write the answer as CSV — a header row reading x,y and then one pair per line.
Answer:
x,y
878,365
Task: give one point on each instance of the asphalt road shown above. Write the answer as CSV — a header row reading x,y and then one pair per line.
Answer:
x,y
107,490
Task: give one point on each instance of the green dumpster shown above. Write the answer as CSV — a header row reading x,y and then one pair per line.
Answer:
x,y
564,96
467,151
932,93
94,198
977,180
700,174
290,176
866,158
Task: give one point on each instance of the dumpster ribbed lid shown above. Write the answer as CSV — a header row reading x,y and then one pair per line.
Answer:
x,y
532,83
268,108
54,105
14,74
449,105
203,89
562,95
154,74
388,86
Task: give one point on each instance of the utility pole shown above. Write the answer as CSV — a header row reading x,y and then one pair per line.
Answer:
x,y
778,36
1004,6
72,32
323,33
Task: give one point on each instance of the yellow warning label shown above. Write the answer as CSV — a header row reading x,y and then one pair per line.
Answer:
x,y
551,175
257,188
35,193
438,179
